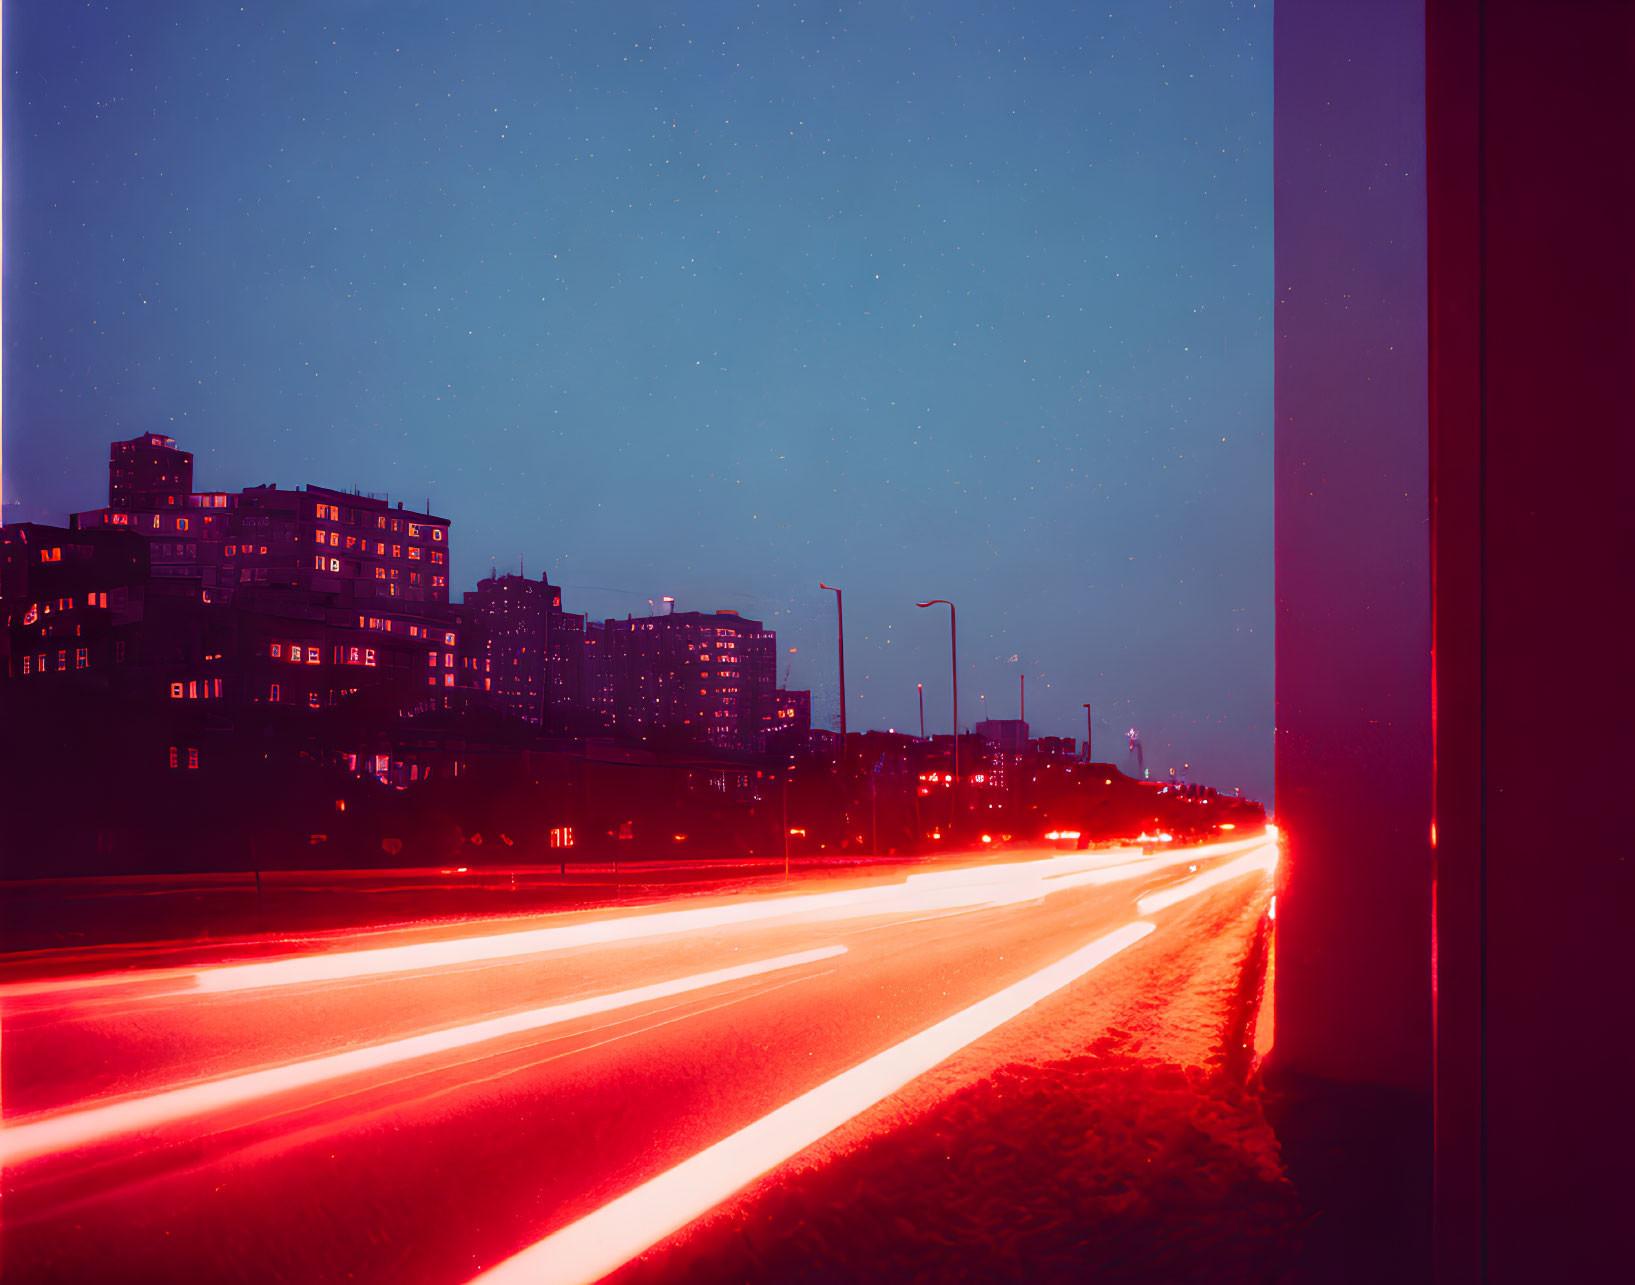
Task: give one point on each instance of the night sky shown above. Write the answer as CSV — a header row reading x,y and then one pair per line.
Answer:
x,y
949,300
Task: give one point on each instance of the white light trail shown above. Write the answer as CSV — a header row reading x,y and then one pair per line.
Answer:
x,y
92,1124
974,887
595,1245
1263,857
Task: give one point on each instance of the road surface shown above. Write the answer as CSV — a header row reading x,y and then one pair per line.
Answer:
x,y
533,1100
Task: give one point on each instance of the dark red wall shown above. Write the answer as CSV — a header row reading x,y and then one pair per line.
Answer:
x,y
1533,287
1492,519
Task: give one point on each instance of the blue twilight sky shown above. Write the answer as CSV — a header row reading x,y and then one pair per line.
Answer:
x,y
718,300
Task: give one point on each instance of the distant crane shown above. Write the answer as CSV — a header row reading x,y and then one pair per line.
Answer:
x,y
1135,752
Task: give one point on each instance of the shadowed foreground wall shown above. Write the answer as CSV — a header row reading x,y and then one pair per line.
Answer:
x,y
1463,164
1533,445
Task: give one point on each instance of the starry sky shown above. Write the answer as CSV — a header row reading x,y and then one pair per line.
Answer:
x,y
715,300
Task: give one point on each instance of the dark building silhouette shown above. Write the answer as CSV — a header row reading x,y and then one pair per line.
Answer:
x,y
1006,735
533,652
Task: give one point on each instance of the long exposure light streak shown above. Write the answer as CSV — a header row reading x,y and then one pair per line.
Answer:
x,y
1264,857
595,1245
976,887
80,1128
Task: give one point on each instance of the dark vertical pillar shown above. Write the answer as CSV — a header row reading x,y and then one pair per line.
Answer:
x,y
1453,167
1353,995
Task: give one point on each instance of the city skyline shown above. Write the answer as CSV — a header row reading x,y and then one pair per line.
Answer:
x,y
699,325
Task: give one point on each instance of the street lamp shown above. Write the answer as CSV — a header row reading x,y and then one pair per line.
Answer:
x,y
953,651
840,648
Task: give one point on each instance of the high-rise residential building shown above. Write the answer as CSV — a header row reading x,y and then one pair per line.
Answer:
x,y
533,651
69,600
791,712
327,541
148,472
713,673
337,542
285,596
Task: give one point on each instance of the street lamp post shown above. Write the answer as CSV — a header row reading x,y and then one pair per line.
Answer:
x,y
920,688
1086,733
953,651
840,650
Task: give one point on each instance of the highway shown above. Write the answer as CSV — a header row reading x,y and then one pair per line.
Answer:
x,y
533,1099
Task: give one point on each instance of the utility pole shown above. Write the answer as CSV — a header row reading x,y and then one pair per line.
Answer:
x,y
920,688
1087,732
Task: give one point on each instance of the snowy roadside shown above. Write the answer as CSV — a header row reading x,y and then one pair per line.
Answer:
x,y
1108,1134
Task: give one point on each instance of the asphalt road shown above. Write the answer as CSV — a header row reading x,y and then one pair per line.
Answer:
x,y
428,1105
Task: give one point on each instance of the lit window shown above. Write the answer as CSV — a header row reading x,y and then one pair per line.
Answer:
x,y
193,689
414,530
181,524
295,652
380,522
380,573
28,664
437,533
431,659
81,658
368,655
334,539
318,562
414,553
334,564
175,691
352,656
272,692
173,761
397,550
448,660
277,650
449,639
320,535
312,700
192,759
312,656
448,680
